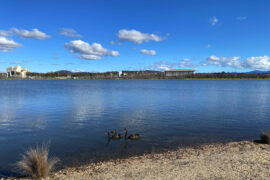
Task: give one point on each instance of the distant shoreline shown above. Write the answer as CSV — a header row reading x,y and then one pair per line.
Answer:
x,y
145,79
137,75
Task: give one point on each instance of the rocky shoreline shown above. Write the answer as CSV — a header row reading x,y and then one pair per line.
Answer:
x,y
234,160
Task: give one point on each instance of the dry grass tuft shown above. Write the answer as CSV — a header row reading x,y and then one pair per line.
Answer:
x,y
265,138
35,162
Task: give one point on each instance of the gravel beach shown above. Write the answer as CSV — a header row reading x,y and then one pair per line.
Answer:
x,y
234,160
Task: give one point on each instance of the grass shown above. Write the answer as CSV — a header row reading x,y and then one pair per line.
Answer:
x,y
36,163
265,138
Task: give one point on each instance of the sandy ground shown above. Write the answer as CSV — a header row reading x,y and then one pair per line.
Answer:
x,y
235,160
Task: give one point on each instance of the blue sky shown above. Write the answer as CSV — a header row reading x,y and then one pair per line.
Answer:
x,y
99,35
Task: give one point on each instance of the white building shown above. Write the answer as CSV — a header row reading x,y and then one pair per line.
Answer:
x,y
17,71
179,72
121,74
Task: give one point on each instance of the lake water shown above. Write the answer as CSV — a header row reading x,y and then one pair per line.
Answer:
x,y
73,114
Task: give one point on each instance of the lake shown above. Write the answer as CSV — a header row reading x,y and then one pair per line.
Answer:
x,y
72,115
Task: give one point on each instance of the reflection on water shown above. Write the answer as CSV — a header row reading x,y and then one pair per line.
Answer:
x,y
73,114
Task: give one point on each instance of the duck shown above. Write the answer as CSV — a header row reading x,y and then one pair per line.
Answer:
x,y
116,135
131,136
108,133
109,136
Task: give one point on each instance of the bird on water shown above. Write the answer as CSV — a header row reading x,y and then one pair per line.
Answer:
x,y
131,136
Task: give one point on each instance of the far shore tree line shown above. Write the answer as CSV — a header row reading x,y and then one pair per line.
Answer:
x,y
138,75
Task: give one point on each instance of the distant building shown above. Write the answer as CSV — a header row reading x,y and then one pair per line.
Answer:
x,y
3,75
121,74
17,71
179,72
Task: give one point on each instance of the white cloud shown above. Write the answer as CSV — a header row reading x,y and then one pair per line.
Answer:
x,y
87,51
137,37
34,34
208,46
225,61
89,57
70,33
148,52
114,53
17,63
241,18
254,62
162,65
213,20
27,61
165,65
78,70
259,62
7,45
186,63
4,33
